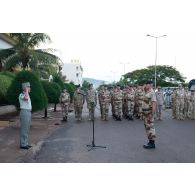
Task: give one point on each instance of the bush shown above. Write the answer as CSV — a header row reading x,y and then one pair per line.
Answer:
x,y
70,88
9,74
57,79
5,82
52,91
37,94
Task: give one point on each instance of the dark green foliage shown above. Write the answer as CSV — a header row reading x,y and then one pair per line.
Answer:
x,y
70,88
9,74
37,94
166,76
85,85
52,91
5,82
24,52
59,80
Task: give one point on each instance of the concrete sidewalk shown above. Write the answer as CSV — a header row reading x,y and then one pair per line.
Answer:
x,y
40,129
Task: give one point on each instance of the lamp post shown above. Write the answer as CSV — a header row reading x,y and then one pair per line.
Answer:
x,y
156,37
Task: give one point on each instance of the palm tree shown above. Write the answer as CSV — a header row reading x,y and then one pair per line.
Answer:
x,y
26,53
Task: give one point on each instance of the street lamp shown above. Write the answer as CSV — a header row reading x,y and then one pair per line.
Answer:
x,y
124,65
156,37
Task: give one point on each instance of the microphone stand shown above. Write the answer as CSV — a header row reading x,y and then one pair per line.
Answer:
x,y
92,146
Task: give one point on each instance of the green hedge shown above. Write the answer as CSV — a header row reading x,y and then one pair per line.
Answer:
x,y
52,91
70,88
9,74
5,82
37,94
57,79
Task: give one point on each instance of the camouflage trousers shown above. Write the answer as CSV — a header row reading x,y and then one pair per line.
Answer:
x,y
130,108
149,125
191,111
101,110
64,108
105,110
140,108
180,110
174,109
91,110
186,108
78,112
118,108
125,109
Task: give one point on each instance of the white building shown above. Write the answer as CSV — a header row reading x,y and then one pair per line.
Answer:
x,y
5,41
73,72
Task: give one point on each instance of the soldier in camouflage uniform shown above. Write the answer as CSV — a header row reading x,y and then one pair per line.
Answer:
x,y
180,93
160,102
112,105
106,99
191,112
91,101
140,94
64,101
173,103
78,101
117,101
100,99
130,99
125,105
149,108
186,102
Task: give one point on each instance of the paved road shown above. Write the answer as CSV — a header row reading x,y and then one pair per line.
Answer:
x,y
123,139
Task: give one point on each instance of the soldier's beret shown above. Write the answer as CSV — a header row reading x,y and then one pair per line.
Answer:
x,y
77,86
148,82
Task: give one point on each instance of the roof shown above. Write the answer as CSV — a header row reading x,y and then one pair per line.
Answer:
x,y
7,38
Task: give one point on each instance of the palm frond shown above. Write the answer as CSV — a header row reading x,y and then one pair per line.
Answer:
x,y
44,57
12,61
38,38
4,53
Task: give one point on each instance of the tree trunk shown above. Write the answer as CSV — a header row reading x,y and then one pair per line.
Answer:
x,y
45,113
1,66
55,107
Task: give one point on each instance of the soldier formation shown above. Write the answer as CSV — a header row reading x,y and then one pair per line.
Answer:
x,y
183,103
141,102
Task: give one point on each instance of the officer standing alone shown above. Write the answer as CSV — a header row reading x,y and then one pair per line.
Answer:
x,y
25,115
149,108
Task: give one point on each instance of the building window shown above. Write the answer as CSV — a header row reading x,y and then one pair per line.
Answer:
x,y
77,74
77,68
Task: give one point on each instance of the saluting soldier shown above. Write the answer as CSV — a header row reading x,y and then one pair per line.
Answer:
x,y
25,115
148,110
64,102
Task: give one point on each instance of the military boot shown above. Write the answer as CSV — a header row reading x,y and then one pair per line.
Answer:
x,y
150,145
64,119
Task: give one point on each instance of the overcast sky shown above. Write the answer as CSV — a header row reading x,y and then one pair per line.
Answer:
x,y
108,55
104,34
